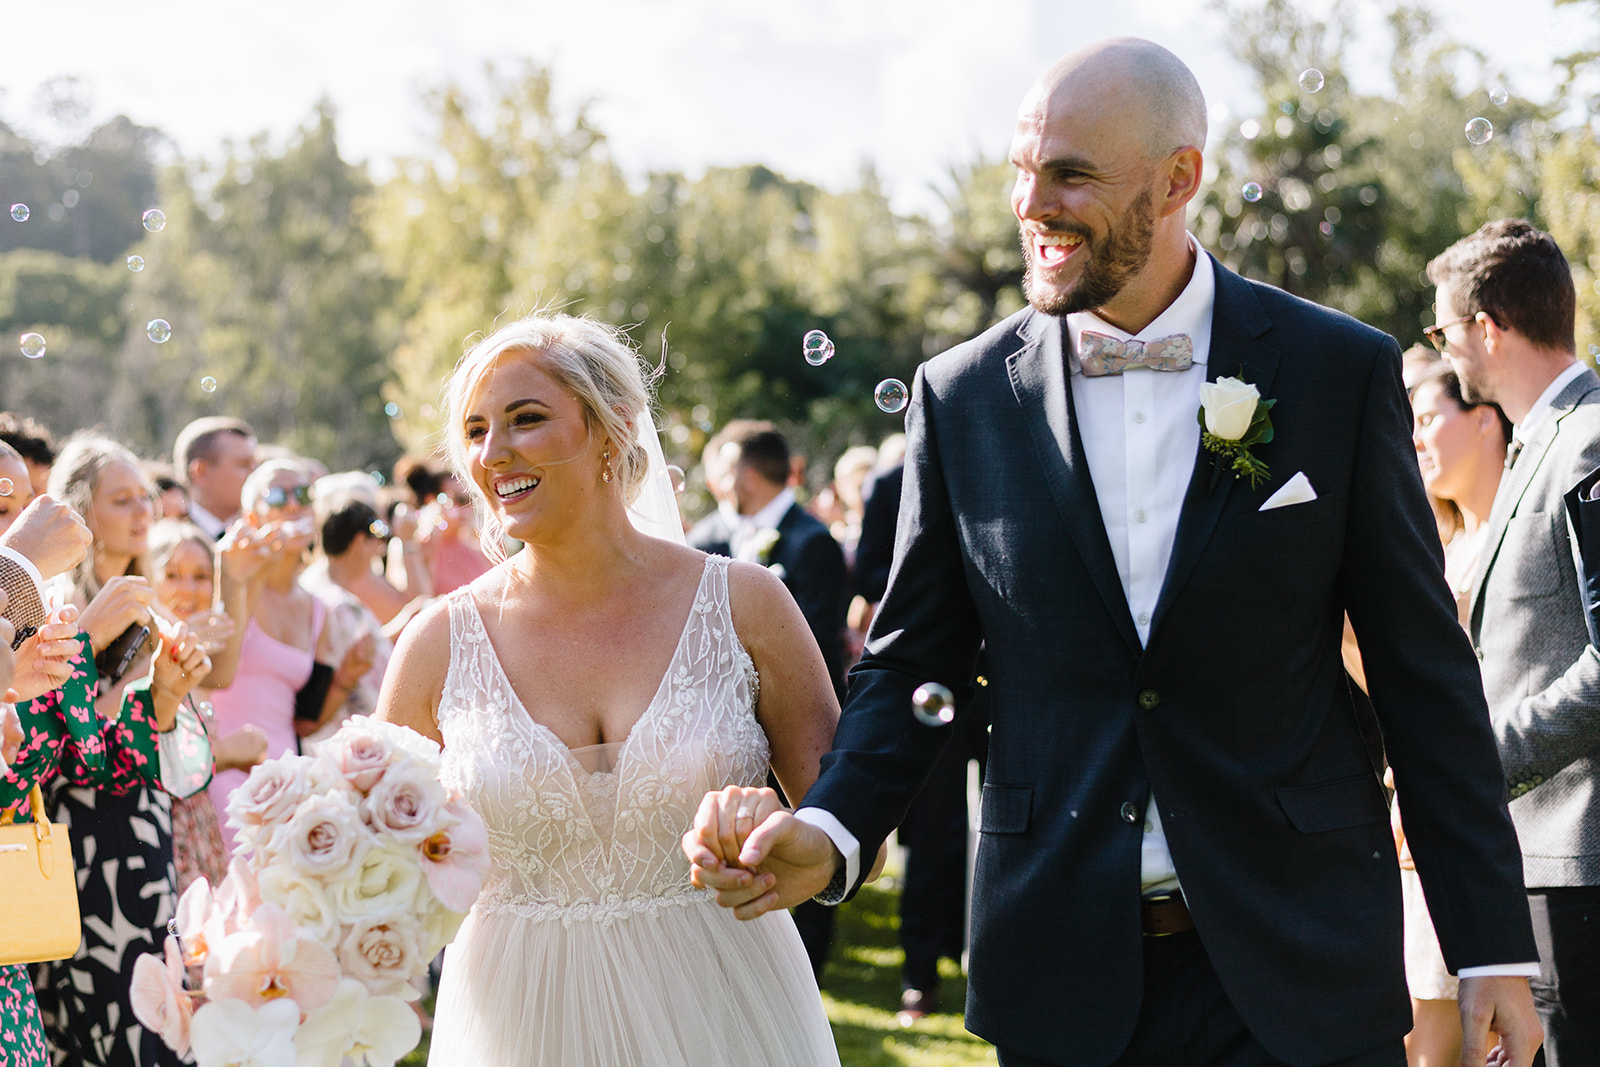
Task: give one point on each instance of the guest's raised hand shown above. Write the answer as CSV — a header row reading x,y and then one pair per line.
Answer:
x,y
44,660
124,601
244,552
179,663
50,534
240,750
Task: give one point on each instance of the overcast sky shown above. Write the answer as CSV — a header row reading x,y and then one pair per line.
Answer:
x,y
813,88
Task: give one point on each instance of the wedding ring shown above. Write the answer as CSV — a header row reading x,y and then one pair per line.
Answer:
x,y
743,813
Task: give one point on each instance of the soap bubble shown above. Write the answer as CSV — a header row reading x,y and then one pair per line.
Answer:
x,y
208,384
392,410
1251,191
32,345
19,212
155,220
890,395
675,475
933,705
818,348
158,330
136,263
1498,96
379,529
6,488
1311,79
1479,130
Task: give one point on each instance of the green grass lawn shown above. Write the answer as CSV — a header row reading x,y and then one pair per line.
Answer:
x,y
861,991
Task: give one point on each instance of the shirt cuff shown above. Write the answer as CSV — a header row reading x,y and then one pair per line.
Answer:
x,y
26,564
1500,970
842,839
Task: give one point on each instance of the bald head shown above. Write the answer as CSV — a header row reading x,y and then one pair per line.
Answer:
x,y
1148,89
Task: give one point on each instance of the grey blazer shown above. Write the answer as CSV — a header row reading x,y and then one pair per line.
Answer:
x,y
1540,674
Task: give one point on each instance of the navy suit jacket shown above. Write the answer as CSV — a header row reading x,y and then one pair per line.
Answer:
x,y
1237,713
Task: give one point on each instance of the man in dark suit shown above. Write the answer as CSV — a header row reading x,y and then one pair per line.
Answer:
x,y
1184,847
1506,305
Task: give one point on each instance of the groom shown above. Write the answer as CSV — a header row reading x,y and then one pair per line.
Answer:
x,y
1184,850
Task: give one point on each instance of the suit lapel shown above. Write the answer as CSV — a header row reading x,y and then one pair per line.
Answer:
x,y
1514,485
1038,373
1237,351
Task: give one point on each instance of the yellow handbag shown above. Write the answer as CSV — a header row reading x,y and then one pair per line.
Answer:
x,y
39,889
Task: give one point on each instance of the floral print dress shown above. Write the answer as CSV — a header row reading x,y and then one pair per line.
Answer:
x,y
66,743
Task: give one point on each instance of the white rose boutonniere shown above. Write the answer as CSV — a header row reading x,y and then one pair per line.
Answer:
x,y
1233,418
758,547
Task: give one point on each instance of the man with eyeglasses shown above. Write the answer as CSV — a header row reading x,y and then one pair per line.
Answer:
x,y
1505,301
213,456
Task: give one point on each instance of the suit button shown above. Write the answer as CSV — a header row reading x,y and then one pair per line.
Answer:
x,y
1130,814
1148,699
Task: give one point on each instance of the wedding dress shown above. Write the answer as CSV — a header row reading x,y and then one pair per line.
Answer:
x,y
588,945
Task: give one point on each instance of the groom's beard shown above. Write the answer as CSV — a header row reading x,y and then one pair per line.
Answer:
x,y
1113,261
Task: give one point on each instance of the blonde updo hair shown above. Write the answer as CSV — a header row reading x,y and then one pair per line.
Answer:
x,y
592,361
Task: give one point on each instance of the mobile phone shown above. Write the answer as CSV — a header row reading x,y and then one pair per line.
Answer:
x,y
114,660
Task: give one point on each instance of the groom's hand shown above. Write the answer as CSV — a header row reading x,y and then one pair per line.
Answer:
x,y
755,854
1498,1006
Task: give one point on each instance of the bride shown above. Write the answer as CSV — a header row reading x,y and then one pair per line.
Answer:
x,y
589,691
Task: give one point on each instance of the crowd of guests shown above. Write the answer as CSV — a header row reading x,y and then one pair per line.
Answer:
x,y
176,624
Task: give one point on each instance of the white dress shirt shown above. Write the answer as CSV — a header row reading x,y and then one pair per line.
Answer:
x,y
743,539
213,526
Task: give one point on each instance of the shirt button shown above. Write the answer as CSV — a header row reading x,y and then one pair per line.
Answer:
x,y
1148,699
1139,516
1130,814
1138,416
1144,619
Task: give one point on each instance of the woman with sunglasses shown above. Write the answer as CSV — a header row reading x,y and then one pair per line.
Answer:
x,y
284,682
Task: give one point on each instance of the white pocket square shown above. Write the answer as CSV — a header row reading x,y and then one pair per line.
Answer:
x,y
1296,490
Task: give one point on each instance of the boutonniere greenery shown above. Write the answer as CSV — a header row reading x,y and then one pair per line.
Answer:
x,y
761,545
1233,419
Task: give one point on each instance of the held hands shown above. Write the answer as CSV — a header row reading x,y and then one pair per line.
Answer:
x,y
755,853
1498,1007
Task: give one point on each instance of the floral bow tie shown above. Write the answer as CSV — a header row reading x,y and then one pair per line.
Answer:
x,y
1100,355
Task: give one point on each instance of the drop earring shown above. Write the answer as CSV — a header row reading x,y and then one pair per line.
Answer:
x,y
605,470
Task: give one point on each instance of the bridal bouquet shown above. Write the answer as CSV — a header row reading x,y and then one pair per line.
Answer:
x,y
353,869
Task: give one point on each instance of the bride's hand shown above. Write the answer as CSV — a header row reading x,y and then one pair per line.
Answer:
x,y
726,818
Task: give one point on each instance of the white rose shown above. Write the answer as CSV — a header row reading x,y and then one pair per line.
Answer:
x,y
304,900
384,883
325,836
1229,405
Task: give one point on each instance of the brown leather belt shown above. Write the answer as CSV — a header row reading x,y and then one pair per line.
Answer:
x,y
1164,915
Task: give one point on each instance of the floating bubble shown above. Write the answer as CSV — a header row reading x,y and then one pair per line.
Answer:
x,y
392,410
1498,96
1251,191
136,263
379,529
818,348
6,488
158,330
19,212
890,395
1311,80
208,384
675,475
933,705
155,220
32,345
1479,130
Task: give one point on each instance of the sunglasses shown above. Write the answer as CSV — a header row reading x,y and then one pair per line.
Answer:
x,y
1435,334
278,496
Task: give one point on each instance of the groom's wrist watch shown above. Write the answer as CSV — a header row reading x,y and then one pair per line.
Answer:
x,y
836,889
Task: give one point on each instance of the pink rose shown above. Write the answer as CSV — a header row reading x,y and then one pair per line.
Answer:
x,y
406,803
361,756
383,954
325,835
273,790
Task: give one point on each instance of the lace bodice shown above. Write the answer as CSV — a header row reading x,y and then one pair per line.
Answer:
x,y
570,844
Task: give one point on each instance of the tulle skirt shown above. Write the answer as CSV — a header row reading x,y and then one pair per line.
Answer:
x,y
666,983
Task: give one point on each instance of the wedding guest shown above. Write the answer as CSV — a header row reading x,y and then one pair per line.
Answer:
x,y
34,443
283,684
1507,306
213,456
13,469
183,560
133,669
